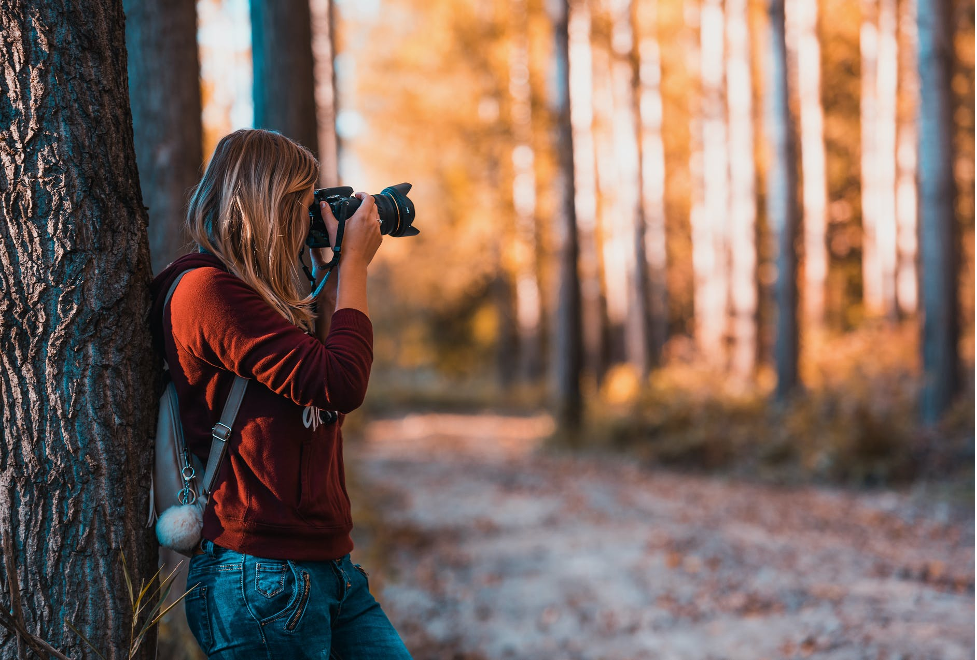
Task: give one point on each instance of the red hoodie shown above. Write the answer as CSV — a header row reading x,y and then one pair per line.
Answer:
x,y
281,490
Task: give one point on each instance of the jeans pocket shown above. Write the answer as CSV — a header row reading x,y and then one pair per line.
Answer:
x,y
198,616
269,580
270,589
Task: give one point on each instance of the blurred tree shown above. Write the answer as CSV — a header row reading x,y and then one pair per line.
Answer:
x,y
709,228
567,349
527,288
284,85
782,211
906,200
164,91
323,14
803,17
742,203
78,380
937,192
592,301
868,40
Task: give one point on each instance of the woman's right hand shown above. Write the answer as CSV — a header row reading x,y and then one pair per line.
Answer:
x,y
362,238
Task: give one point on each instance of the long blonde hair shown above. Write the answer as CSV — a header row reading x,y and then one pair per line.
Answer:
x,y
247,210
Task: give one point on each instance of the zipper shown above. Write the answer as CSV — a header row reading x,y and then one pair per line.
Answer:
x,y
294,620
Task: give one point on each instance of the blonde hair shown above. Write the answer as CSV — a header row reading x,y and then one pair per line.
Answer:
x,y
247,210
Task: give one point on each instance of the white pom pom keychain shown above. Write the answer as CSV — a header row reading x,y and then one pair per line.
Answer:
x,y
180,527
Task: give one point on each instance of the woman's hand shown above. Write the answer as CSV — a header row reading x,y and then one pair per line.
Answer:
x,y
362,236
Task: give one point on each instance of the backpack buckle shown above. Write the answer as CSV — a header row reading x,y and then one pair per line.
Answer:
x,y
221,431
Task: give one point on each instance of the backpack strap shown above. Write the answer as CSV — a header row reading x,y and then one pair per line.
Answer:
x,y
221,432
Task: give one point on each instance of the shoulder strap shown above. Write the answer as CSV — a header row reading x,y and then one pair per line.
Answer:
x,y
221,432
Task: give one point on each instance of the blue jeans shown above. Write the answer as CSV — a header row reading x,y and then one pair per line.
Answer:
x,y
242,606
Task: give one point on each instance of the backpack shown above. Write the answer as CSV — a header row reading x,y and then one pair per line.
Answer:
x,y
180,487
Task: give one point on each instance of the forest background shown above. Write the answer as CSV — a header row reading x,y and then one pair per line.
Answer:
x,y
730,236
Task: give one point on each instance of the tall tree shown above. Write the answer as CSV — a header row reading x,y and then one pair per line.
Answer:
x,y
527,295
77,383
868,42
885,145
284,85
593,310
323,14
782,211
742,200
907,286
648,332
803,16
567,351
164,90
709,230
937,225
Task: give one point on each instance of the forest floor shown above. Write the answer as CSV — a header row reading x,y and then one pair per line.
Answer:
x,y
481,543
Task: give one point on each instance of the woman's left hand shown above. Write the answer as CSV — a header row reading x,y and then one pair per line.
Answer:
x,y
322,256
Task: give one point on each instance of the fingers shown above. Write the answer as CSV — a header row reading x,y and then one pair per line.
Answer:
x,y
332,225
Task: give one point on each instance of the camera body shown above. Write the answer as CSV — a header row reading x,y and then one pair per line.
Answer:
x,y
395,208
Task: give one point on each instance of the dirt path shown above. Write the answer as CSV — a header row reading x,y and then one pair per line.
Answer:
x,y
496,550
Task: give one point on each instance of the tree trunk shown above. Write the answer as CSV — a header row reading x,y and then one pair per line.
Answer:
x,y
885,145
782,211
937,193
567,351
528,303
323,14
804,16
742,202
871,266
77,386
907,285
709,231
585,186
284,86
164,90
650,285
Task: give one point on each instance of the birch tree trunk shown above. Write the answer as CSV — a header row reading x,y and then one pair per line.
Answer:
x,y
906,201
77,383
885,145
567,351
527,295
585,185
937,194
742,203
804,16
650,285
284,85
782,208
323,14
164,90
709,231
871,267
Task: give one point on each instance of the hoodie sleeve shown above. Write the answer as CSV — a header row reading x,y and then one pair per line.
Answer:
x,y
221,320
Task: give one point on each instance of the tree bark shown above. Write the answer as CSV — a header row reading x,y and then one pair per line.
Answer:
x,y
323,14
284,85
164,86
742,200
937,194
804,16
567,351
782,211
77,386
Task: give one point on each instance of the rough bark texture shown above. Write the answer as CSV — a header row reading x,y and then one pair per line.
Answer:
x,y
164,90
567,353
284,87
782,211
937,192
78,375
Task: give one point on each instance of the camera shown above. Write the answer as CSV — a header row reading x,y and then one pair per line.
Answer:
x,y
396,212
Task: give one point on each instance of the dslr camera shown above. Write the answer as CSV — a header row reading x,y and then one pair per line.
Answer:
x,y
396,213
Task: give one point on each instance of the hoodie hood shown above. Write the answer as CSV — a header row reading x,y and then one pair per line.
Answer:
x,y
161,285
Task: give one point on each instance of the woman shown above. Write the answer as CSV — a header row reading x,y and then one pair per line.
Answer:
x,y
272,577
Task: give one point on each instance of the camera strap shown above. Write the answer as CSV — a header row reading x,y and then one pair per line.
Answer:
x,y
336,251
